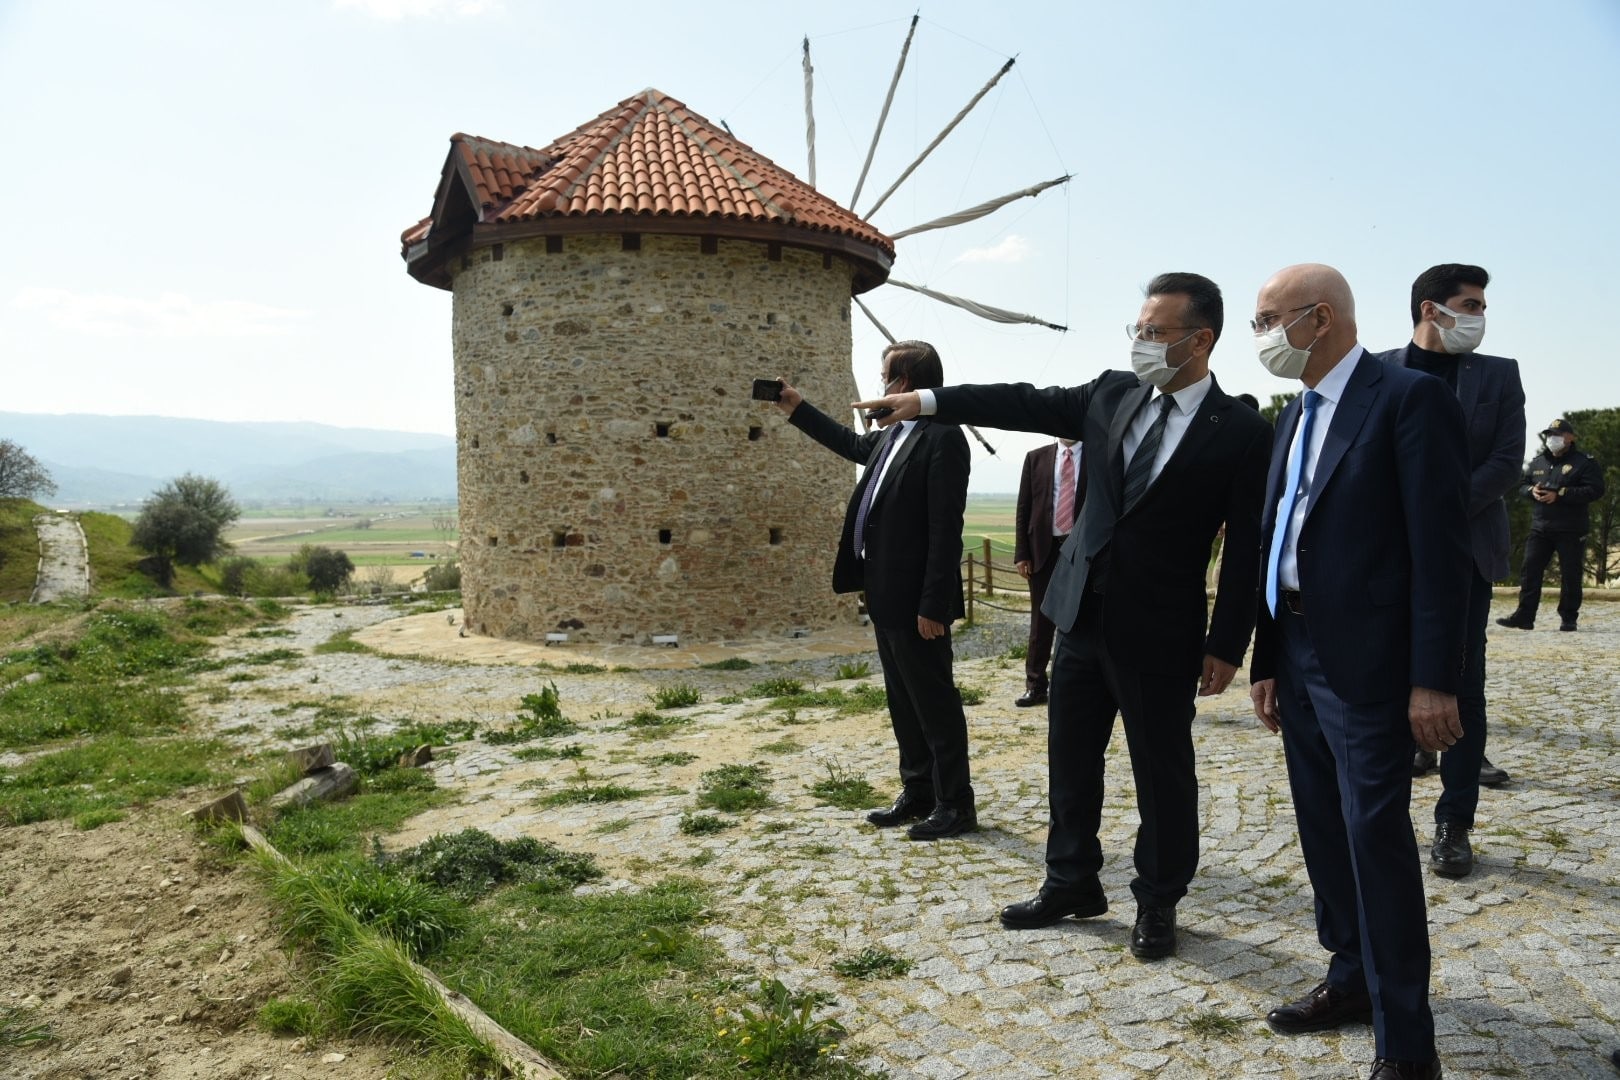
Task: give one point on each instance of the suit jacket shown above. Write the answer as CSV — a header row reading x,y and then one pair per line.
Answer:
x,y
1492,400
1156,612
1033,519
913,563
1383,554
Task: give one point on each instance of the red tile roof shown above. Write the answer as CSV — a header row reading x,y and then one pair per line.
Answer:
x,y
648,158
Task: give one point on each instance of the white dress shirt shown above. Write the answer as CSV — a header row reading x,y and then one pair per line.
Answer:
x,y
1332,390
906,427
1057,481
1187,400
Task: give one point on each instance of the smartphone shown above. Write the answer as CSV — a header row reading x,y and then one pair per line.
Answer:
x,y
878,414
767,390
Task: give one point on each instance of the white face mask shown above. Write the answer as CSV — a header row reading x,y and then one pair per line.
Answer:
x,y
1556,443
1465,336
1148,361
1280,358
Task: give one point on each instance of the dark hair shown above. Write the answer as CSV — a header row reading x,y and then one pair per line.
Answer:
x,y
1441,283
1204,305
918,362
1250,400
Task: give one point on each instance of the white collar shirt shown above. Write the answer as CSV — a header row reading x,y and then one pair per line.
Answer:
x,y
906,428
1187,400
1331,389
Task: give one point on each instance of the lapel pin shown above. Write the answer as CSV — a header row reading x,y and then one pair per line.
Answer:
x,y
1215,418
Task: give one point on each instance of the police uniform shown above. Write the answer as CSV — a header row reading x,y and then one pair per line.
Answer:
x,y
1559,526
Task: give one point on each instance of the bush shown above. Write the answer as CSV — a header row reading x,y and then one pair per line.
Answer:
x,y
327,569
445,577
471,863
233,575
678,696
184,524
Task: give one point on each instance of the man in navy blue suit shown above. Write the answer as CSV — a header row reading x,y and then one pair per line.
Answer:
x,y
1358,650
1448,323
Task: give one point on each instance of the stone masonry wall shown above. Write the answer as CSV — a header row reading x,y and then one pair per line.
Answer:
x,y
616,480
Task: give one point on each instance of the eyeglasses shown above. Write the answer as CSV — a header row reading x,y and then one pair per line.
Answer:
x,y
1149,332
1265,322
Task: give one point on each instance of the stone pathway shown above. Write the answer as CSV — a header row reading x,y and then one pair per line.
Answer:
x,y
1526,950
64,565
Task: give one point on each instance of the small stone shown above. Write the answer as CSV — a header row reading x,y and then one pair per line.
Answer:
x,y
331,1059
172,1018
121,977
190,910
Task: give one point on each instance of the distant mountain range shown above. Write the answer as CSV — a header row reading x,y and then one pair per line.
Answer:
x,y
105,461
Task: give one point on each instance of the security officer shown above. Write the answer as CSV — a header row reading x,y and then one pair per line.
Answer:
x,y
1562,481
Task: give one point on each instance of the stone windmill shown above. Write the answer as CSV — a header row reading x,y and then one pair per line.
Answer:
x,y
615,294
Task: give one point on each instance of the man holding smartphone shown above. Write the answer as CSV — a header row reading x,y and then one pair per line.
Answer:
x,y
902,544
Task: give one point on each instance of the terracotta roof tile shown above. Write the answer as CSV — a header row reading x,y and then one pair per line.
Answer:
x,y
647,156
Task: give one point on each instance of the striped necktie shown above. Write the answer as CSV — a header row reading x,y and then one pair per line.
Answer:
x,y
1141,470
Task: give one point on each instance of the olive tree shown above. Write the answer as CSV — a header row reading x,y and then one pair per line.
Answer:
x,y
184,523
21,474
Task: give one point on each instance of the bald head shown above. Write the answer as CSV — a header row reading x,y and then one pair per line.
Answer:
x,y
1331,323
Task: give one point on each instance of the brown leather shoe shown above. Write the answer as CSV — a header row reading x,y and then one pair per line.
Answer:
x,y
1324,1007
1390,1069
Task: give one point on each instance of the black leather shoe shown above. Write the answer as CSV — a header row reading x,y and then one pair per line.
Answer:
x,y
1324,1007
1154,934
1052,905
1390,1069
1030,698
1424,762
1517,621
1568,626
944,821
1452,855
907,807
1490,775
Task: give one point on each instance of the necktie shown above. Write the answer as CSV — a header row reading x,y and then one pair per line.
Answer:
x,y
873,472
1291,494
1063,517
1141,470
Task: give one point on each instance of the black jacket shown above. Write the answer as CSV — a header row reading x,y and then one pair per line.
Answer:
x,y
1577,479
913,563
1155,611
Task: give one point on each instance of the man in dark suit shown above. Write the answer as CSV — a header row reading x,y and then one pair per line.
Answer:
x,y
902,544
1448,323
1359,646
1050,494
1164,471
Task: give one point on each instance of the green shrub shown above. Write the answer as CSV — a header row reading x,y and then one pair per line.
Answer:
x,y
678,696
775,688
471,863
841,789
781,1036
970,695
290,1016
730,663
859,670
703,824
585,794
443,577
872,963
735,787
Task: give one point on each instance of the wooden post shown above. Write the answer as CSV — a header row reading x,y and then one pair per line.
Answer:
x,y
970,589
989,582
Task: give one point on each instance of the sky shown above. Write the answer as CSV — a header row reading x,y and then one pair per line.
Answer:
x,y
206,199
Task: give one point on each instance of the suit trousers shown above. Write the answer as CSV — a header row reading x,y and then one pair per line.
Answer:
x,y
925,710
1459,765
1538,552
1040,629
1090,686
1350,771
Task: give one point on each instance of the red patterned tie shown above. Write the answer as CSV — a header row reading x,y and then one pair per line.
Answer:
x,y
1063,519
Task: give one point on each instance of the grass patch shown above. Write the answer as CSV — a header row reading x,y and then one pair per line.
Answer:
x,y
110,774
19,1028
970,695
859,699
872,962
1019,651
858,670
775,688
730,663
1209,1024
370,753
844,790
571,752
676,696
539,717
735,788
290,1016
704,824
608,828
385,802
675,758
649,718
786,745
587,794
342,642
780,1036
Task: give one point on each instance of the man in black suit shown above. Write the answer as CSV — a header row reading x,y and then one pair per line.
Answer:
x,y
902,543
1448,323
1051,491
1164,471
1359,647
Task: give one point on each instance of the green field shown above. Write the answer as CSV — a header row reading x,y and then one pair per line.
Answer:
x,y
992,516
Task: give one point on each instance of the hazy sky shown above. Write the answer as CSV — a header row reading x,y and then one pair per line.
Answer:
x,y
205,199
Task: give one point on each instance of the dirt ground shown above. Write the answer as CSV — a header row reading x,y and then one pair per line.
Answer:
x,y
148,955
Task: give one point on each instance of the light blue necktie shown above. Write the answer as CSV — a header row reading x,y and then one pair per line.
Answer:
x,y
1285,505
